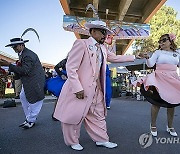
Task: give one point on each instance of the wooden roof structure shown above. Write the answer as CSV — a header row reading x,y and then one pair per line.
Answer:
x,y
13,59
135,11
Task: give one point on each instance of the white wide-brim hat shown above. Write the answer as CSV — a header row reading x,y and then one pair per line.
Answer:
x,y
16,41
98,24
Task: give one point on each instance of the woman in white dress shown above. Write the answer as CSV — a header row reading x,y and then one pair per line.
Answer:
x,y
162,87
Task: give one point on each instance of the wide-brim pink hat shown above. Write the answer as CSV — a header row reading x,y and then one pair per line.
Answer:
x,y
98,24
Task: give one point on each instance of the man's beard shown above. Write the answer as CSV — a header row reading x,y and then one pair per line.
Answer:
x,y
101,41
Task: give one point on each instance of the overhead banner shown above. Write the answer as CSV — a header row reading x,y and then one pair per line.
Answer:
x,y
121,30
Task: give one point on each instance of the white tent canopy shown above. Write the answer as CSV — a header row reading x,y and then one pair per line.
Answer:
x,y
122,70
138,64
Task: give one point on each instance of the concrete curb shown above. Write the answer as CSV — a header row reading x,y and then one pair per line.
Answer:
x,y
46,99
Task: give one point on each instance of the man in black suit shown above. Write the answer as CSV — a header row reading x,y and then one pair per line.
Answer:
x,y
33,80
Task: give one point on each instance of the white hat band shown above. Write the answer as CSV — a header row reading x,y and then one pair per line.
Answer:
x,y
17,42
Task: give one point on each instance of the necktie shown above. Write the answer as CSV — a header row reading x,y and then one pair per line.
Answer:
x,y
98,67
20,57
98,63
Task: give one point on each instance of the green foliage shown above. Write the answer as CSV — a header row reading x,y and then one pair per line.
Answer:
x,y
163,22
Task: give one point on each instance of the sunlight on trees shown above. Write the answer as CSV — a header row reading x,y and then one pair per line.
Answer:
x,y
163,22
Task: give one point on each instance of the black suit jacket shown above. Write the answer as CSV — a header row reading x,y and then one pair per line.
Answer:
x,y
31,74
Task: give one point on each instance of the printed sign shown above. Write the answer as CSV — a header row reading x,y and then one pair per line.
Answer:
x,y
121,30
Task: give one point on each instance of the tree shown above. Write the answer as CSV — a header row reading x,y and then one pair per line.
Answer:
x,y
163,22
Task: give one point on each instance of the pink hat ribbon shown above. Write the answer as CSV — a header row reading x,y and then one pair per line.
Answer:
x,y
172,36
109,39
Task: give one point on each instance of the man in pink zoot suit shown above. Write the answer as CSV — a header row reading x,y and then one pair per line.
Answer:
x,y
82,98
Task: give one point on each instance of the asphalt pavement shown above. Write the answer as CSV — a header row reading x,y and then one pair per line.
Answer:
x,y
127,120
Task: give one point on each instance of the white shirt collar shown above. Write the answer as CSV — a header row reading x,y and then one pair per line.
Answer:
x,y
93,40
20,53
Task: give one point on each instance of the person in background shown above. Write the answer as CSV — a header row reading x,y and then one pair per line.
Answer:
x,y
108,88
132,77
162,87
3,80
82,97
60,69
33,80
48,74
54,85
54,74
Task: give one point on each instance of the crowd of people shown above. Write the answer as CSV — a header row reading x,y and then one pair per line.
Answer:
x,y
81,93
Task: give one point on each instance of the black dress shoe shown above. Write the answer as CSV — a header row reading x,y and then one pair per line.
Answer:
x,y
54,118
28,125
108,107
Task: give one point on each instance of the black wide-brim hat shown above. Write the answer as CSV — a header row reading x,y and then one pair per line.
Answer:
x,y
16,41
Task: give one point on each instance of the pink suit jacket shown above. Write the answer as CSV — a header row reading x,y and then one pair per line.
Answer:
x,y
81,66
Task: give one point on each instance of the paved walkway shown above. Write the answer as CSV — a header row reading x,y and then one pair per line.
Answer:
x,y
127,120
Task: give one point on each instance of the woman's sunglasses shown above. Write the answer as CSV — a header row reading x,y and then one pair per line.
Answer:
x,y
163,40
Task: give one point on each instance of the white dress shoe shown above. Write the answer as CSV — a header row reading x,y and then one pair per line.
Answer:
x,y
25,122
109,145
77,147
171,131
154,133
28,125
